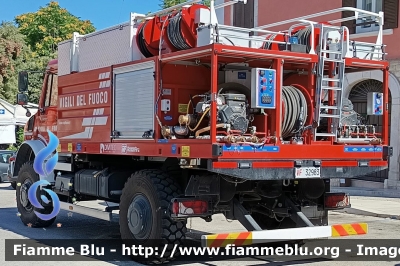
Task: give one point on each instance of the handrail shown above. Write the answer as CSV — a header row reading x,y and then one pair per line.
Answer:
x,y
172,8
356,11
229,3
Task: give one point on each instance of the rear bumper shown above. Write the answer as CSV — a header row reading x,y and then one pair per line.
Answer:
x,y
280,235
276,170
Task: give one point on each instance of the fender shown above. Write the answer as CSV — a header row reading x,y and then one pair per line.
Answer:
x,y
24,154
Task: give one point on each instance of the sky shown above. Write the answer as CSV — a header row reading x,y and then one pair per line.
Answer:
x,y
102,13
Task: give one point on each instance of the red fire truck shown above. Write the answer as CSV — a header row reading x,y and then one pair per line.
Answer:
x,y
174,115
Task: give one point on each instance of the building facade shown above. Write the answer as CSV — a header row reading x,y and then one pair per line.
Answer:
x,y
262,12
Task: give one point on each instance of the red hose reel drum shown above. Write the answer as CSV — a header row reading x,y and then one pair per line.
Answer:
x,y
177,30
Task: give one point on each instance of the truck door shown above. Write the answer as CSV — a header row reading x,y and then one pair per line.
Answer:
x,y
47,115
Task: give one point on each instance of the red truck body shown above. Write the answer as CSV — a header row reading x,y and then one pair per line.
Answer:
x,y
237,126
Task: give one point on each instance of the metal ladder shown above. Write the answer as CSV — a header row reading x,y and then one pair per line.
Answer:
x,y
335,55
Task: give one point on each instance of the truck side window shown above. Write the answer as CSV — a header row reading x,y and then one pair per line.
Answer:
x,y
52,90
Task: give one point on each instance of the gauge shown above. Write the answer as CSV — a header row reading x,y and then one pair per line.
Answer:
x,y
219,101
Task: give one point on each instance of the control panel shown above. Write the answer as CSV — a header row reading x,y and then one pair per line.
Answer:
x,y
263,88
375,103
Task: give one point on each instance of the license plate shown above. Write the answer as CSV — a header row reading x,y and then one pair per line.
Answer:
x,y
307,172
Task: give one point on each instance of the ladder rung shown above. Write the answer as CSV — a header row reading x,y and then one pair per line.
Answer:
x,y
329,107
329,115
331,88
325,134
333,60
331,79
331,27
331,52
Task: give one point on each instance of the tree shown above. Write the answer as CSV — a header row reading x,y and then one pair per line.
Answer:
x,y
50,25
169,3
12,52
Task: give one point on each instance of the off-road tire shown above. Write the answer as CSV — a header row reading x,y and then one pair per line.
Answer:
x,y
158,188
171,166
28,217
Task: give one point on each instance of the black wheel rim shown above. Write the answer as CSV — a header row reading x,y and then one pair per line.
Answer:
x,y
140,217
23,195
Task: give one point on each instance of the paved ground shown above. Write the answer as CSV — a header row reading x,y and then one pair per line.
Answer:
x,y
368,192
82,227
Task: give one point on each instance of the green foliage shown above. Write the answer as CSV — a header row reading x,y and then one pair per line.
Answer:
x,y
169,3
16,56
50,25
30,46
12,57
35,63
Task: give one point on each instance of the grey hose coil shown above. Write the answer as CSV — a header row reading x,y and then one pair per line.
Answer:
x,y
304,37
295,110
268,43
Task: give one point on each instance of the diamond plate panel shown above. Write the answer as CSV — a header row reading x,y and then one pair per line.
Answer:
x,y
64,58
104,49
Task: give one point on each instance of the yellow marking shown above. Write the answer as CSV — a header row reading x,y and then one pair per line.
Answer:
x,y
59,148
349,229
182,108
185,151
222,240
69,146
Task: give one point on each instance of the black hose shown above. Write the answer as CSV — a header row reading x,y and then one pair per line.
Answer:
x,y
142,44
174,33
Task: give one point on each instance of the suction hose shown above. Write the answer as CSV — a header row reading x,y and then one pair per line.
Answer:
x,y
141,42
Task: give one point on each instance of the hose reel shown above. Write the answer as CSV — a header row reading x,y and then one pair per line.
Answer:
x,y
295,111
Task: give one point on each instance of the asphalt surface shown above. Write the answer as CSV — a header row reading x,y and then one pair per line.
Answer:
x,y
82,227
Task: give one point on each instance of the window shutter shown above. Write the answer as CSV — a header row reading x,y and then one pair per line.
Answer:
x,y
391,14
243,14
351,24
238,15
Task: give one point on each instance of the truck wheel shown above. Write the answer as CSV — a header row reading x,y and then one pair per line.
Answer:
x,y
26,177
145,211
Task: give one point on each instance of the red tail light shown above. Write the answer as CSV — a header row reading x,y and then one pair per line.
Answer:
x,y
337,200
12,158
188,207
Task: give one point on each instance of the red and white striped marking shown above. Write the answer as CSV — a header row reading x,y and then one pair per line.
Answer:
x,y
105,83
89,123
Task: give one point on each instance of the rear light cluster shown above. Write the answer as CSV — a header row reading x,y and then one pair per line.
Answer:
x,y
337,200
11,159
189,207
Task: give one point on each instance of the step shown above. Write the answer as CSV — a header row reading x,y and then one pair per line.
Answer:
x,y
329,107
331,79
331,51
325,134
333,60
331,27
329,115
331,88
